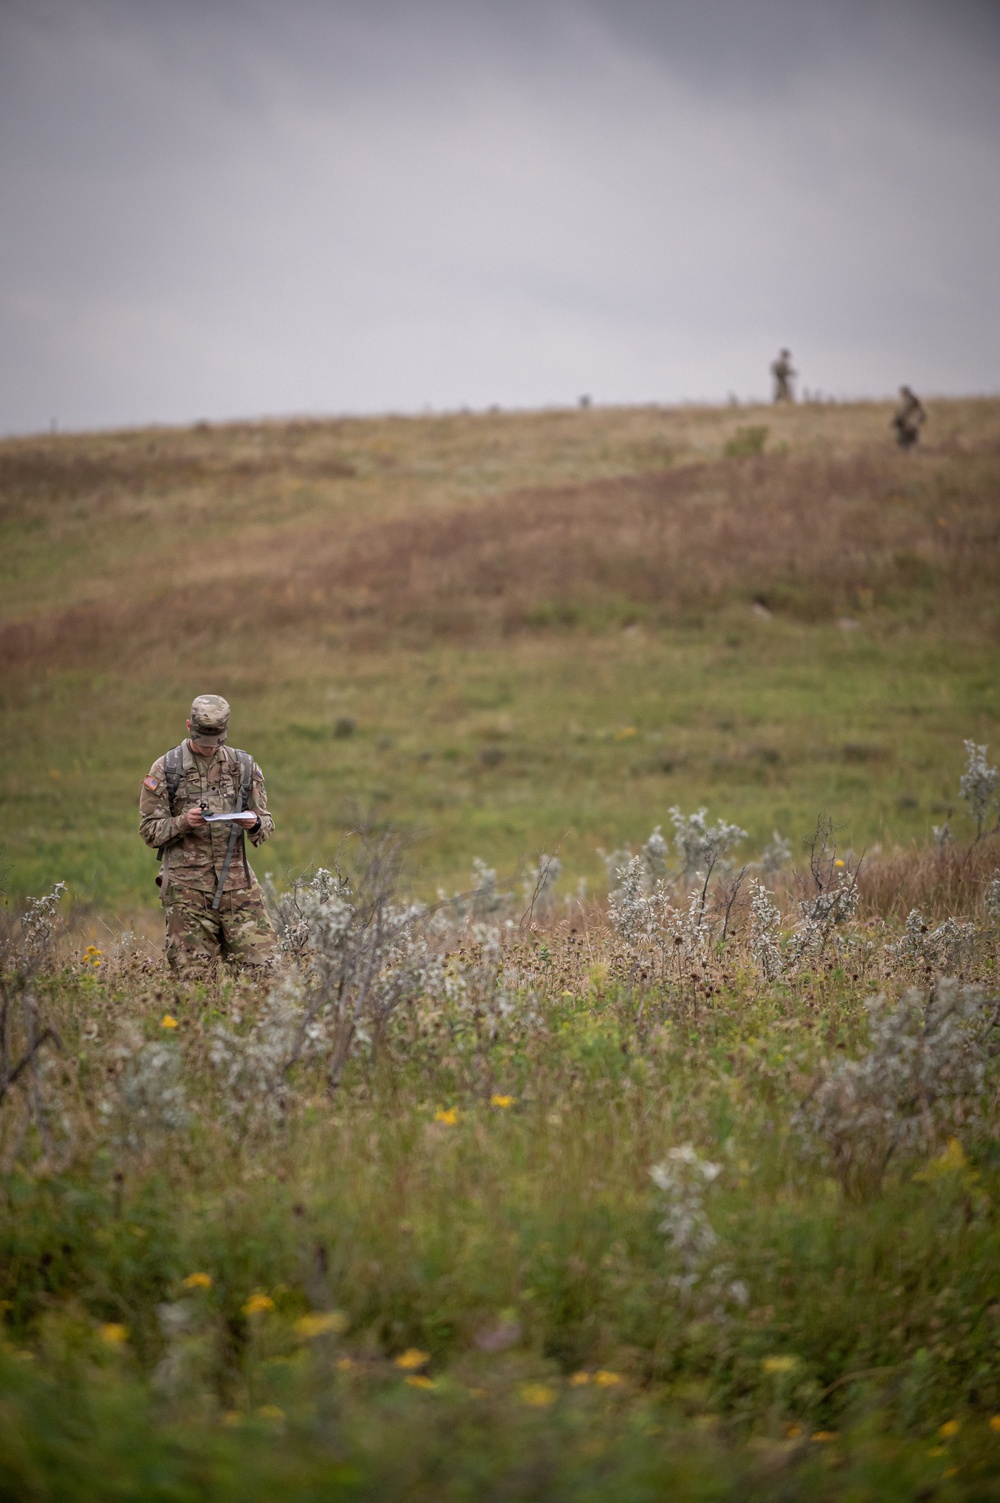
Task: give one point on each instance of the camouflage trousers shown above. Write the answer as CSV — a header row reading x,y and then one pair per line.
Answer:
x,y
238,931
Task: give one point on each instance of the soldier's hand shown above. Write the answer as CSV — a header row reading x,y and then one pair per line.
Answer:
x,y
194,819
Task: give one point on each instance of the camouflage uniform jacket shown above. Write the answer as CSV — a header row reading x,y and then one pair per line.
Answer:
x,y
197,858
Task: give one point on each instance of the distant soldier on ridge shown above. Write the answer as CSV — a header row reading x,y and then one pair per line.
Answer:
x,y
783,374
909,419
212,902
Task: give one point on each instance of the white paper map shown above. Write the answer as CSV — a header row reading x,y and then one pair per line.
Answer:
x,y
214,819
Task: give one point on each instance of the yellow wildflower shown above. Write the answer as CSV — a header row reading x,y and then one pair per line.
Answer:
x,y
346,1364
537,1395
579,1380
167,1021
232,1417
320,1323
198,1281
951,1160
502,1101
257,1304
419,1381
937,1451
113,1333
447,1115
949,1429
838,862
951,1471
779,1365
412,1358
626,733
605,1379
823,1437
995,1422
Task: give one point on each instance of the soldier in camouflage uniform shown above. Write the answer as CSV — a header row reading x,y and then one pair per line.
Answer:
x,y
783,374
909,419
214,909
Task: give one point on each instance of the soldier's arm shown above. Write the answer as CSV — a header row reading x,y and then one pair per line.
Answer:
x,y
157,825
257,803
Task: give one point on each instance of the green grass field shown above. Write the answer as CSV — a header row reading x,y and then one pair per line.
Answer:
x,y
542,630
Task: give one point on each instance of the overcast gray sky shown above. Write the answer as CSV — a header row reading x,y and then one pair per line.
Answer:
x,y
218,208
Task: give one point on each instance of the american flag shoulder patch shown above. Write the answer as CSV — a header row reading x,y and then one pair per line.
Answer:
x,y
151,783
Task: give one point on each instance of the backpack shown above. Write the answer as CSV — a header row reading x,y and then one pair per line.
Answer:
x,y
173,767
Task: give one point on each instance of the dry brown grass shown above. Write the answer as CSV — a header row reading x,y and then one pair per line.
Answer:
x,y
939,881
814,537
40,470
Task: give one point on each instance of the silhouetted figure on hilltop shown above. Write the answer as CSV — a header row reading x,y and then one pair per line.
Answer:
x,y
783,374
909,419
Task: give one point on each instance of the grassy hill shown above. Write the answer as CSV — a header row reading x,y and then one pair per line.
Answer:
x,y
504,632
669,1198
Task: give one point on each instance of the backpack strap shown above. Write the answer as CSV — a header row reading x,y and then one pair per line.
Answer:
x,y
173,767
246,785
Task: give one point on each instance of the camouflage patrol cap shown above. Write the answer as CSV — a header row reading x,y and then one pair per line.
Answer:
x,y
209,717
